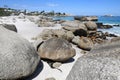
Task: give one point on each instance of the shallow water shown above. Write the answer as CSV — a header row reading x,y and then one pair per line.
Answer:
x,y
114,30
109,20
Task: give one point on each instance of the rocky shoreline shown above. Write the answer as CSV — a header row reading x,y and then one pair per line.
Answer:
x,y
55,47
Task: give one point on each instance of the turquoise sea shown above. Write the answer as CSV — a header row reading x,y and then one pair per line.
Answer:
x,y
105,20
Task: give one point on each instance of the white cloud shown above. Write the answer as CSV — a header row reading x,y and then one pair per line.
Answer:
x,y
52,4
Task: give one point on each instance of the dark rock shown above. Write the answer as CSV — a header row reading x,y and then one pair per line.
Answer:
x,y
101,63
100,34
99,25
56,49
91,33
116,25
110,35
80,32
102,26
113,35
9,27
79,29
105,27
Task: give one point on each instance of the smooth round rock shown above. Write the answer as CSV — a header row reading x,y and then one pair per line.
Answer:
x,y
91,25
101,63
18,57
56,49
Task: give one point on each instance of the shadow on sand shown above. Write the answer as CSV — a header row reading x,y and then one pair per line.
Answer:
x,y
70,60
36,72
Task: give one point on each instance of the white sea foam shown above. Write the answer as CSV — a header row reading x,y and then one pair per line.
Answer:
x,y
114,30
111,24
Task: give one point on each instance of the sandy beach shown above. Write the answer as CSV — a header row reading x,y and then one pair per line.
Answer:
x,y
29,30
59,40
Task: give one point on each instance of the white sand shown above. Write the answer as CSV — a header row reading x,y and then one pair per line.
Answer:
x,y
28,30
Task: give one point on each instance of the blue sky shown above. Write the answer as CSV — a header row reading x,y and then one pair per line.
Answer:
x,y
76,7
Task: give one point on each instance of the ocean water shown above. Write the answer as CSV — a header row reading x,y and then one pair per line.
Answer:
x,y
111,21
68,18
105,20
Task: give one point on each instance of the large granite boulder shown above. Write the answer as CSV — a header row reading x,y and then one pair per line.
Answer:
x,y
18,57
86,18
56,49
9,27
91,25
101,63
92,28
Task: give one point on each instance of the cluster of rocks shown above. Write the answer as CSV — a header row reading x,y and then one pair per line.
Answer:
x,y
79,28
54,49
94,18
20,58
86,18
103,26
45,21
57,33
84,35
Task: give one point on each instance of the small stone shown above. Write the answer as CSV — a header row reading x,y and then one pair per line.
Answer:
x,y
51,78
56,64
83,52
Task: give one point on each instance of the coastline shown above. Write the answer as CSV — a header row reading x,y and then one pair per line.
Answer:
x,y
30,30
